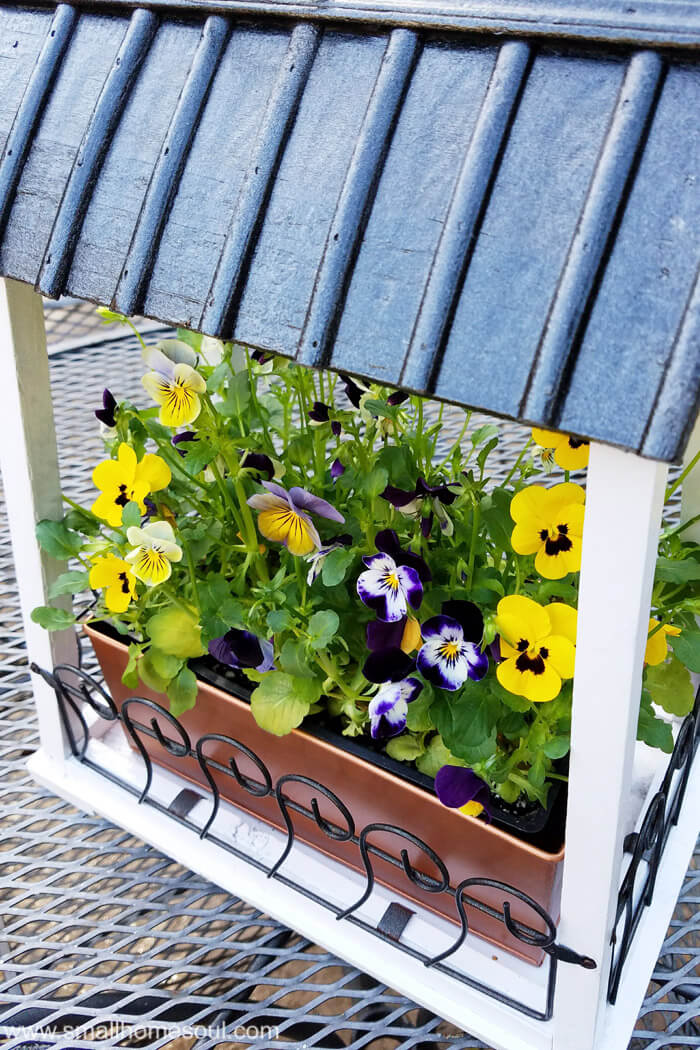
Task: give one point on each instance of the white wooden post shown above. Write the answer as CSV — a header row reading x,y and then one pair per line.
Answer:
x,y
624,501
690,499
29,463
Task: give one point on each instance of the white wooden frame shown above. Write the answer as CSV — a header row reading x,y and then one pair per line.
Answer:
x,y
624,503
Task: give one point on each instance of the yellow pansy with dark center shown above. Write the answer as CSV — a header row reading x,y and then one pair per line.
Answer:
x,y
173,383
570,453
114,575
549,524
127,479
657,644
538,646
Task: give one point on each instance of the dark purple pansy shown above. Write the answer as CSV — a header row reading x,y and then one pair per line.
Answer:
x,y
388,709
261,356
446,658
397,398
389,588
401,498
108,413
182,439
354,391
391,664
335,428
260,463
337,469
388,542
241,649
426,524
456,786
495,650
151,508
320,413
385,634
468,616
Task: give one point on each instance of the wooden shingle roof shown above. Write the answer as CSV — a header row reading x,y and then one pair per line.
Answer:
x,y
498,204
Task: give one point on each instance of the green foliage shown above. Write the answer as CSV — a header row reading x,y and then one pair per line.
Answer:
x,y
652,730
52,619
281,702
405,748
182,692
176,631
69,583
670,687
336,566
686,646
323,627
58,540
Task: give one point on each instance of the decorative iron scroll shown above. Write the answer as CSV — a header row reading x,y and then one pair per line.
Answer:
x,y
647,846
77,690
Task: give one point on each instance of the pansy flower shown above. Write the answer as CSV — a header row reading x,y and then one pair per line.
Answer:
x,y
388,542
569,452
240,649
389,588
124,479
657,646
317,557
108,413
154,549
450,652
337,470
284,516
460,788
389,708
390,643
114,576
549,524
537,647
260,463
173,382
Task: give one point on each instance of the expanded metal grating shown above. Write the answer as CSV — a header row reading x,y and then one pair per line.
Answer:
x,y
105,941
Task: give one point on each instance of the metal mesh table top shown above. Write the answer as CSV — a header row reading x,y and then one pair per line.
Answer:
x,y
105,941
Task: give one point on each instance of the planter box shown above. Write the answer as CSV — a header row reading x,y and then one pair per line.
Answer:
x,y
468,847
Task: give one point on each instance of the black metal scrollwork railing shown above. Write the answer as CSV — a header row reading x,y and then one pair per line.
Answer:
x,y
646,846
77,690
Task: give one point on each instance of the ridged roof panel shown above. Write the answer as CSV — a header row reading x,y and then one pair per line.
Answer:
x,y
510,223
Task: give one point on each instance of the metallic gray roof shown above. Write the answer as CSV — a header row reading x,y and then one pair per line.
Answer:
x,y
508,222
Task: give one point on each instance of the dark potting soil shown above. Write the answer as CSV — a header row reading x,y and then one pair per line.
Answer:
x,y
528,821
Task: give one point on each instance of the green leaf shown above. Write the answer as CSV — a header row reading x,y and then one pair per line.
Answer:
x,y
418,716
323,626
404,748
70,583
670,687
182,692
278,620
52,619
336,565
110,316
237,396
175,631
149,675
686,646
130,675
293,659
467,724
485,433
485,452
381,408
281,702
436,756
677,570
375,482
198,455
165,665
82,521
57,540
557,747
131,515
538,771
652,730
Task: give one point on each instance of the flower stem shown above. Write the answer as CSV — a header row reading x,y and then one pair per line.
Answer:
x,y
516,464
683,475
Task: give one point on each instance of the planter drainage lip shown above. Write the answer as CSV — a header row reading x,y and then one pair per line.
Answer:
x,y
327,175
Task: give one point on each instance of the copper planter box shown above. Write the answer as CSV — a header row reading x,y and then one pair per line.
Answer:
x,y
468,847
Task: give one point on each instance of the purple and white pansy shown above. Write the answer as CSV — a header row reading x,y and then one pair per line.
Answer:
x,y
450,652
389,588
317,557
389,708
240,649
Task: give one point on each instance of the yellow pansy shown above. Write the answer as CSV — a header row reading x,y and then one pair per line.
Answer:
x,y
549,524
472,809
154,550
124,479
538,647
173,382
657,646
284,516
569,452
114,575
411,637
